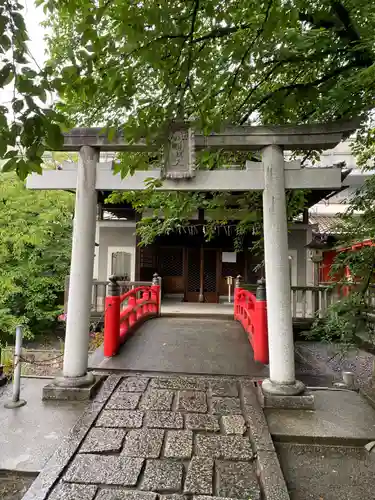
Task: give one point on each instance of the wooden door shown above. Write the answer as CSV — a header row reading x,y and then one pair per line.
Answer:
x,y
192,275
171,269
202,275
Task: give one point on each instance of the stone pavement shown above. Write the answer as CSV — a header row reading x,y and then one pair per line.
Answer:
x,y
145,437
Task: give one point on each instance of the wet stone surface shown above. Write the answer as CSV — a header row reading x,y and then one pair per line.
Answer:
x,y
237,480
134,384
111,494
103,440
163,420
227,447
98,469
180,383
192,401
144,443
199,476
118,418
162,475
167,438
224,388
226,406
157,399
179,444
73,492
199,422
124,400
233,424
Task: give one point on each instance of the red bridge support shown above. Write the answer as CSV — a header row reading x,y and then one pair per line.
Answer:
x,y
251,311
124,313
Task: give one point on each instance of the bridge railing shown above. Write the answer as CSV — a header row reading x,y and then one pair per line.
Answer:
x,y
309,302
251,311
99,293
124,312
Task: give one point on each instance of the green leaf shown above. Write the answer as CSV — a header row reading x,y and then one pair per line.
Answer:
x,y
17,105
11,154
9,165
6,74
55,139
3,146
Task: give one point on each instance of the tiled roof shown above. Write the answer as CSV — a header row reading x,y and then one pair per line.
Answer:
x,y
326,224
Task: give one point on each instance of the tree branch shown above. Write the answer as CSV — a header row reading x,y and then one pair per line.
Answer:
x,y
221,32
297,86
247,51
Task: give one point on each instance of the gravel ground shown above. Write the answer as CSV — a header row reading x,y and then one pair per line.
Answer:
x,y
331,359
14,486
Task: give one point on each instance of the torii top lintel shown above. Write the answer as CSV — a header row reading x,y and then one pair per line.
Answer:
x,y
232,138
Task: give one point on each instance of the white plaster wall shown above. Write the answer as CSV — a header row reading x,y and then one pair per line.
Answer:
x,y
115,238
296,243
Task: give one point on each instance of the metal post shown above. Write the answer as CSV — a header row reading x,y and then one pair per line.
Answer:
x,y
16,402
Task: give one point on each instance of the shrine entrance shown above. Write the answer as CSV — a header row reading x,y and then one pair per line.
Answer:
x,y
273,175
196,270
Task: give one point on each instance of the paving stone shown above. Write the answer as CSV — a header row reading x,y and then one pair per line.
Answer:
x,y
227,447
237,480
157,399
233,424
102,469
172,496
115,494
199,476
65,491
199,422
205,497
271,476
143,443
256,420
179,444
224,388
133,384
180,383
192,401
121,400
162,475
226,406
100,440
163,419
120,418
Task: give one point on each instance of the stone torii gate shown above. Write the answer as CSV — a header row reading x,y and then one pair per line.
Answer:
x,y
272,175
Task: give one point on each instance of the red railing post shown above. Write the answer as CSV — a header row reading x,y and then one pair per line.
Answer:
x,y
112,319
156,294
132,302
260,324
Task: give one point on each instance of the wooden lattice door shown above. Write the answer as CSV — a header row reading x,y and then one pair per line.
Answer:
x,y
201,270
210,275
193,274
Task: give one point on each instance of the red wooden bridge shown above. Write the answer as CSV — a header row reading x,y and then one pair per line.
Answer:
x,y
125,313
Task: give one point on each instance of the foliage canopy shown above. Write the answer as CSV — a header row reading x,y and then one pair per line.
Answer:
x,y
35,245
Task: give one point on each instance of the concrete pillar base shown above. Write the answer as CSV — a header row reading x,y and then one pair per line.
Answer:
x,y
15,404
285,396
276,389
72,388
84,381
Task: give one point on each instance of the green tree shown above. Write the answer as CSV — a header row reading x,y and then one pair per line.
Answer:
x,y
28,126
138,65
35,245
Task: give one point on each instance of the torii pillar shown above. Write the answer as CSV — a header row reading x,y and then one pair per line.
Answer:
x,y
279,308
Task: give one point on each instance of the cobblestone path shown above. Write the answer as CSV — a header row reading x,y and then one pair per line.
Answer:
x,y
145,438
